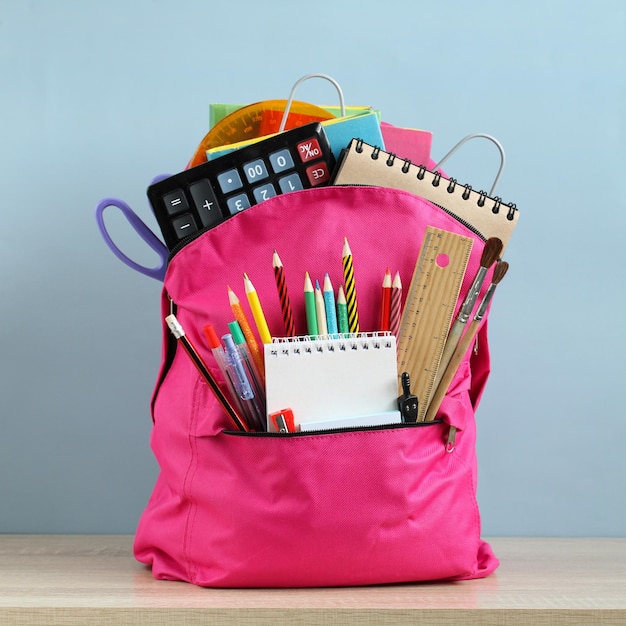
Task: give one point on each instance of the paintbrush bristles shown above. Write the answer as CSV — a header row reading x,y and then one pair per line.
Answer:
x,y
500,270
491,252
498,274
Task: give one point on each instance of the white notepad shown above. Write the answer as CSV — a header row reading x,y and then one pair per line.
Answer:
x,y
331,378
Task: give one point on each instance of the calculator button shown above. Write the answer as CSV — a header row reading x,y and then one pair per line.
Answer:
x,y
309,150
184,225
175,202
206,203
264,192
318,173
281,160
290,183
255,170
229,181
238,203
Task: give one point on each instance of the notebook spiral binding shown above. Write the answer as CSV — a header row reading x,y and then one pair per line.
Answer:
x,y
306,344
437,177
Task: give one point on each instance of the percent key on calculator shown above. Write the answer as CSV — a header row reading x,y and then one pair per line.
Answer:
x,y
204,196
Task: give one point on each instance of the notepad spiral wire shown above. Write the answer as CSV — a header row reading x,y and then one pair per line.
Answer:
x,y
331,377
304,344
435,178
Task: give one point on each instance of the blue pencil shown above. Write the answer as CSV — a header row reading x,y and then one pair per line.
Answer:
x,y
329,305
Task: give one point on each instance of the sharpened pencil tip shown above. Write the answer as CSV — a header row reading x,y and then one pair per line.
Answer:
x,y
346,248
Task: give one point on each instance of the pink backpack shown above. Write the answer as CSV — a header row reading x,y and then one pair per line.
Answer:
x,y
358,507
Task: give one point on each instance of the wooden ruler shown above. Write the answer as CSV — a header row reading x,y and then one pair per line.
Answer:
x,y
428,310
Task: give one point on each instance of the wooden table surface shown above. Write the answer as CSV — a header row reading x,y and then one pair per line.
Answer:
x,y
94,579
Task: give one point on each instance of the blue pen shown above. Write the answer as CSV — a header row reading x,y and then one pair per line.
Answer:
x,y
242,382
329,305
246,357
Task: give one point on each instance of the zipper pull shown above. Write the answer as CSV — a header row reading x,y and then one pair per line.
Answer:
x,y
450,445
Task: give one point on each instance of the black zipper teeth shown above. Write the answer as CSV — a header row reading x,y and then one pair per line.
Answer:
x,y
330,431
447,211
462,221
187,240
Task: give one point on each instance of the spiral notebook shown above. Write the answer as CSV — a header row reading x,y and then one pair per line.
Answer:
x,y
350,380
363,164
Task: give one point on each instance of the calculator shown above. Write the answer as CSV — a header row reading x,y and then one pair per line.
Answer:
x,y
205,195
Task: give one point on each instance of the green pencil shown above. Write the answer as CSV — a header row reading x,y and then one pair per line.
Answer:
x,y
309,303
342,312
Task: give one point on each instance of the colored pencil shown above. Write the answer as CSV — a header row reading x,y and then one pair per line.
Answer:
x,y
246,329
309,304
283,296
350,287
257,311
342,312
320,309
395,306
330,307
385,302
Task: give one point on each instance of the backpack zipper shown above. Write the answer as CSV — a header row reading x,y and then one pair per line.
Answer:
x,y
331,431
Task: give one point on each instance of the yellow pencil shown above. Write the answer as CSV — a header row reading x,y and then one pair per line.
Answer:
x,y
257,311
240,316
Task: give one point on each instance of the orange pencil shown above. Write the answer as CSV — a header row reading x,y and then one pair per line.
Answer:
x,y
246,329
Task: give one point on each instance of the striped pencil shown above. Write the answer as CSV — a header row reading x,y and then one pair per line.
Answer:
x,y
283,296
395,306
350,287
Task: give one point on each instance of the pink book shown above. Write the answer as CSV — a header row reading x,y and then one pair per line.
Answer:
x,y
407,143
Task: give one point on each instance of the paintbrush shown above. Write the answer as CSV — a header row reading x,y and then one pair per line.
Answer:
x,y
464,344
491,252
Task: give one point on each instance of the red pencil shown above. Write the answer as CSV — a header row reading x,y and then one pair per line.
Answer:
x,y
386,302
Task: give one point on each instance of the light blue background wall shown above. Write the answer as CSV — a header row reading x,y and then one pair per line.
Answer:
x,y
98,97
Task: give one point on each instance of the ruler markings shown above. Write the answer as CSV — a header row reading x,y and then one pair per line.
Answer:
x,y
428,310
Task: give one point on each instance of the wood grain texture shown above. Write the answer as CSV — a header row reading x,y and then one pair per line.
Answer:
x,y
82,580
428,310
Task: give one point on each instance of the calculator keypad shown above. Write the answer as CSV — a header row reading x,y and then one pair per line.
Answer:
x,y
204,196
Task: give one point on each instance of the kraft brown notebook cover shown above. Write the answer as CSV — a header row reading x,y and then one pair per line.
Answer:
x,y
363,164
